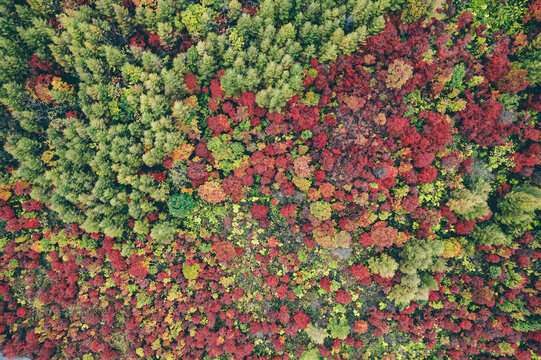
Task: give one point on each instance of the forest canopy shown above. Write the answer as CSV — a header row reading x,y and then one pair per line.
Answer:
x,y
275,179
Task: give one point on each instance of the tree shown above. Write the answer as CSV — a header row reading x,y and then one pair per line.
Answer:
x,y
28,152
406,291
420,255
181,205
163,232
316,334
519,205
384,265
321,210
310,354
339,327
468,205
229,82
490,234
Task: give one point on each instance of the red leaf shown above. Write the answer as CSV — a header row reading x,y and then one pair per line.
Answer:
x,y
190,81
343,297
301,319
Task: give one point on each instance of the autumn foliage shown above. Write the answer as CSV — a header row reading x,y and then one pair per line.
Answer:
x,y
272,180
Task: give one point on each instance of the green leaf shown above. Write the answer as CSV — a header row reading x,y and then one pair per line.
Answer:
x,y
181,205
316,334
312,72
310,354
339,328
191,272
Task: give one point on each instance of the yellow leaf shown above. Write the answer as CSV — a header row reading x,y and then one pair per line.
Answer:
x,y
302,184
165,335
4,194
226,281
169,356
21,239
156,344
36,246
140,352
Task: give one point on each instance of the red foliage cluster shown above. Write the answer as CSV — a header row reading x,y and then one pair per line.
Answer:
x,y
361,273
301,319
8,212
480,123
137,268
158,176
218,123
288,210
225,251
383,235
343,297
197,172
190,81
41,66
259,211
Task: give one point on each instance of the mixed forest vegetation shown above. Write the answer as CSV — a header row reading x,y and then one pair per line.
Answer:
x,y
274,179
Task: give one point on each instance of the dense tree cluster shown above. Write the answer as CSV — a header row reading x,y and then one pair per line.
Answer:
x,y
275,179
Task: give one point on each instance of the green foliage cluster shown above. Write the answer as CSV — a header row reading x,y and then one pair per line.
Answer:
x,y
530,60
490,234
384,265
497,15
310,354
316,334
418,259
339,327
519,205
467,204
22,34
195,16
163,232
181,205
126,123
227,154
470,203
190,272
515,213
